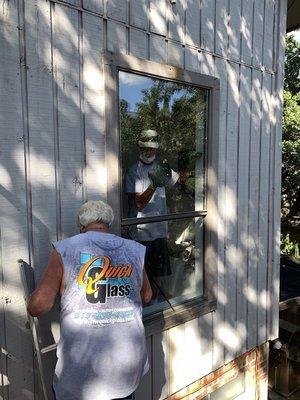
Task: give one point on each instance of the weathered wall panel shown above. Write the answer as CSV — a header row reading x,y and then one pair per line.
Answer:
x,y
118,10
16,352
221,27
93,5
158,17
192,36
219,316
158,49
175,54
208,25
73,2
232,252
234,29
177,20
246,30
43,160
242,203
139,14
116,37
177,358
207,64
263,227
69,122
268,34
93,107
275,176
258,32
192,62
138,43
251,294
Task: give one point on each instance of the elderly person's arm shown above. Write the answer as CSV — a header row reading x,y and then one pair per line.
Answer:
x,y
146,291
51,284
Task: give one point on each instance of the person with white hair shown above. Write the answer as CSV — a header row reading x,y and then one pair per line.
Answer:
x,y
146,182
102,282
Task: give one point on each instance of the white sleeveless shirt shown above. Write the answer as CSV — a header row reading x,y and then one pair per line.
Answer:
x,y
102,350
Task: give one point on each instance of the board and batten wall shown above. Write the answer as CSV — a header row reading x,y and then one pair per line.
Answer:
x,y
52,127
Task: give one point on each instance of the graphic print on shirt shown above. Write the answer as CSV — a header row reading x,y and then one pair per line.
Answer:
x,y
103,280
104,285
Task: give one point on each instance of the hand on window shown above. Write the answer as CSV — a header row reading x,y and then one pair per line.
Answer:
x,y
160,175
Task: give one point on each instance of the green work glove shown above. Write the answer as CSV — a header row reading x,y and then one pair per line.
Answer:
x,y
160,175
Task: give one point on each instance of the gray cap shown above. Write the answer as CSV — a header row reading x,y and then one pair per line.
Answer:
x,y
148,138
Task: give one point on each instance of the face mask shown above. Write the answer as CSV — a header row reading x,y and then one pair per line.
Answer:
x,y
147,160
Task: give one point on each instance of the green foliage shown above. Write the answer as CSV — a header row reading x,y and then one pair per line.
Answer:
x,y
290,159
289,247
177,113
292,65
291,150
291,156
291,116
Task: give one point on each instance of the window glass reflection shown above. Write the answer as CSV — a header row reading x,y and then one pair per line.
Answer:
x,y
163,156
174,263
163,143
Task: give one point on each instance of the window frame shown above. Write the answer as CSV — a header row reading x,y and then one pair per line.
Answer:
x,y
111,64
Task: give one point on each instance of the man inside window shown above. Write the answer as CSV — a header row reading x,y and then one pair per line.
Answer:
x,y
100,277
146,183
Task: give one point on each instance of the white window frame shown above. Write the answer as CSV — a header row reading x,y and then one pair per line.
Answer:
x,y
112,63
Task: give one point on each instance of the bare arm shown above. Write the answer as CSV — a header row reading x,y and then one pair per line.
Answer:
x,y
146,291
142,199
43,298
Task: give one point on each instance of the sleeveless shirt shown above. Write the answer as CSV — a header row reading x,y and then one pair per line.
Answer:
x,y
102,349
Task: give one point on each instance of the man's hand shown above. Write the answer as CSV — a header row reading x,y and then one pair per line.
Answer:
x,y
160,175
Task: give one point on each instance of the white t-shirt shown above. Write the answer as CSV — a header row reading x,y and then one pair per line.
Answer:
x,y
137,181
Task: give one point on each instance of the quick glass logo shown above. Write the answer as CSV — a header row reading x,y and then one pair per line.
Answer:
x,y
101,280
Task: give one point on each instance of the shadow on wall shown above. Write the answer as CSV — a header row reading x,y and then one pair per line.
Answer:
x,y
60,129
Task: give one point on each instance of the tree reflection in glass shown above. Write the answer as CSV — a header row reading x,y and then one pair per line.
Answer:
x,y
163,152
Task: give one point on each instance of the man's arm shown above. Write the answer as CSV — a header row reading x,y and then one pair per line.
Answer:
x,y
43,298
158,178
146,291
142,199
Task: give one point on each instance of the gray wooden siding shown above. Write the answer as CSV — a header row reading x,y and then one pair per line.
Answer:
x,y
53,157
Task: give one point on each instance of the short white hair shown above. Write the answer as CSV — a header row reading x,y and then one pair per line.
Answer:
x,y
95,211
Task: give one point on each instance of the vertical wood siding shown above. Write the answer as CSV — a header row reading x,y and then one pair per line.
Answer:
x,y
53,158
66,41
275,176
16,352
247,31
231,186
41,127
242,202
92,85
219,340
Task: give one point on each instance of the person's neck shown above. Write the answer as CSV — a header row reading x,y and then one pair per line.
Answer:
x,y
96,226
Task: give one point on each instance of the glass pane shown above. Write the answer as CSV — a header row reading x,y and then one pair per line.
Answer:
x,y
174,263
163,146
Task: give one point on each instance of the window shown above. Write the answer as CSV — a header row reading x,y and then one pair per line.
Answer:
x,y
163,145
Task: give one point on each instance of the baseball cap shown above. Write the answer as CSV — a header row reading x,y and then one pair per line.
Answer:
x,y
148,138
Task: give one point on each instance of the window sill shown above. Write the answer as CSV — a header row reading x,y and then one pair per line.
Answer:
x,y
166,319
